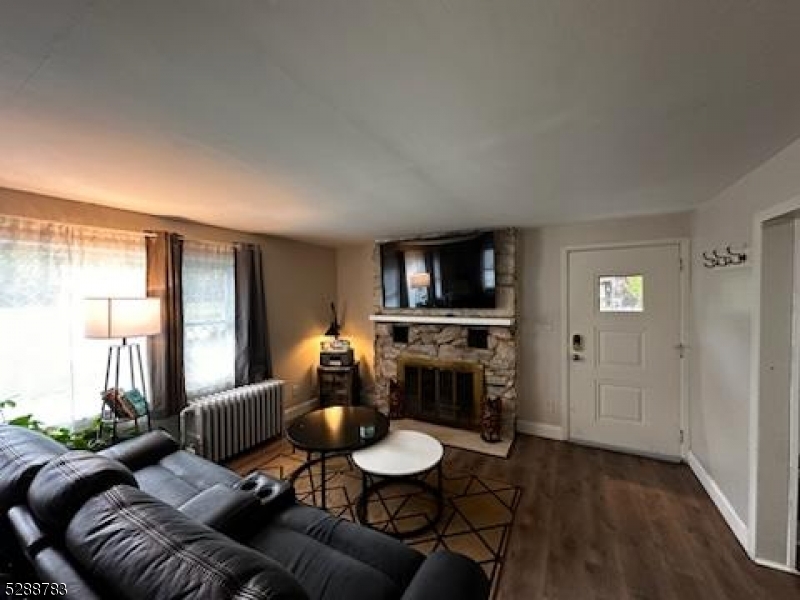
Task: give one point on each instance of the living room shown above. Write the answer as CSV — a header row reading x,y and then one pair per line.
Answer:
x,y
548,247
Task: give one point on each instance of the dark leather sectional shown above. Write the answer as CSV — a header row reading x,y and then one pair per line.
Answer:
x,y
147,520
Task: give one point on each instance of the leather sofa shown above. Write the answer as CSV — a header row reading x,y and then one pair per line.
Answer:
x,y
144,519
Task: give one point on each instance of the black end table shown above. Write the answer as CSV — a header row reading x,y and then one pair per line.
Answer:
x,y
332,431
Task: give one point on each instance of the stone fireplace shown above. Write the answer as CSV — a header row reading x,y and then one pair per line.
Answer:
x,y
479,346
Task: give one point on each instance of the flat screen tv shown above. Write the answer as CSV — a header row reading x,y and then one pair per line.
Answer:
x,y
447,272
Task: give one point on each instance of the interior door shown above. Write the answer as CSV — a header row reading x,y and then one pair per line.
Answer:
x,y
625,348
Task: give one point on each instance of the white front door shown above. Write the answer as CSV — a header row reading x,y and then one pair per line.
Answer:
x,y
624,348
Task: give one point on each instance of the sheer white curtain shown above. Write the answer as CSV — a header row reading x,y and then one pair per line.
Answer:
x,y
209,344
46,269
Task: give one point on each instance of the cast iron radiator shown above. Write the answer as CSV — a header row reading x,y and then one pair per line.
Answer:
x,y
221,425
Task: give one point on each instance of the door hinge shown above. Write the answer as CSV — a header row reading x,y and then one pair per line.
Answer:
x,y
680,264
682,437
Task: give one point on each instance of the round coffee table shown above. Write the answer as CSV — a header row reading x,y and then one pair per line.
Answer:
x,y
403,456
332,431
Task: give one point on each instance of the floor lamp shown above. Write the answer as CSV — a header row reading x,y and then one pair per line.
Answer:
x,y
123,318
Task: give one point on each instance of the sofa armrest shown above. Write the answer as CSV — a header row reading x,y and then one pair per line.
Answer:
x,y
222,508
143,450
30,536
268,490
448,576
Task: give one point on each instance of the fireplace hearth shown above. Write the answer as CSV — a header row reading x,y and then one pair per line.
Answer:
x,y
445,392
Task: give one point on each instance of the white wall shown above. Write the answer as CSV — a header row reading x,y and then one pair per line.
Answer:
x,y
722,301
541,396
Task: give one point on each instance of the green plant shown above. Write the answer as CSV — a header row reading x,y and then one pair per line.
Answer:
x,y
83,438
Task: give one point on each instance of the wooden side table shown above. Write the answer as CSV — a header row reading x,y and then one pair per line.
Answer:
x,y
338,386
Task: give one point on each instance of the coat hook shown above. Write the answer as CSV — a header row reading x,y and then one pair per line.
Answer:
x,y
721,261
738,257
709,262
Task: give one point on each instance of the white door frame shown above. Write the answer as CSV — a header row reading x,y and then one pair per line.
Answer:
x,y
784,209
683,246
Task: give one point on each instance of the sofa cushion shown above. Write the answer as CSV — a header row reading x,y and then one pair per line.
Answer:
x,y
178,477
324,572
446,574
22,453
391,557
134,546
62,486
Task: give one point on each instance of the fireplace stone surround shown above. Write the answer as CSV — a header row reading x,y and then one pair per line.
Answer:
x,y
448,340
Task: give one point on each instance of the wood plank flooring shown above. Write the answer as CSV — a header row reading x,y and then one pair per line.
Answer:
x,y
597,524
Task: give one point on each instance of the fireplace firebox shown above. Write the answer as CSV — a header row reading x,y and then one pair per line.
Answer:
x,y
446,392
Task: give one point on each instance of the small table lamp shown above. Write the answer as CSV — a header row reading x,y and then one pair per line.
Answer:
x,y
421,282
109,318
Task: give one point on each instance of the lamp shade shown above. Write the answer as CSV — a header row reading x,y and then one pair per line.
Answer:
x,y
121,317
420,280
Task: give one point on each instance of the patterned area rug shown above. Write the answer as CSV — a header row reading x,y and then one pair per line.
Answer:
x,y
476,518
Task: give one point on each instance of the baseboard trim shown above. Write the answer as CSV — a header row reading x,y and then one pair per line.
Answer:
x,y
292,412
762,562
719,499
543,430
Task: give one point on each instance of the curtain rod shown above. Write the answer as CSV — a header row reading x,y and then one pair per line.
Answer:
x,y
152,234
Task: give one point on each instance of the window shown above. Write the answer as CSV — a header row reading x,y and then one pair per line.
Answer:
x,y
621,293
209,344
46,269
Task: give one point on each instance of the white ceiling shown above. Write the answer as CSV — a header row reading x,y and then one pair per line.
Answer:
x,y
336,120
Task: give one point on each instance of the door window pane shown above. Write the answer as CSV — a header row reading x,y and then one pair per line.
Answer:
x,y
621,293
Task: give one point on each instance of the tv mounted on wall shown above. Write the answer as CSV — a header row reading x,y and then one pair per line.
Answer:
x,y
455,271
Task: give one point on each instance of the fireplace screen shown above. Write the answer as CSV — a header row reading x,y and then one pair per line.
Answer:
x,y
446,393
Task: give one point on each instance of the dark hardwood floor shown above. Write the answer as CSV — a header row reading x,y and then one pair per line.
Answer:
x,y
597,524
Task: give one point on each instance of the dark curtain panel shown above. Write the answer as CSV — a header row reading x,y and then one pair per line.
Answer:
x,y
253,362
165,351
402,280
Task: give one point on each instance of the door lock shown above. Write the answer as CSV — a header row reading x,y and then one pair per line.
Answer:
x,y
577,342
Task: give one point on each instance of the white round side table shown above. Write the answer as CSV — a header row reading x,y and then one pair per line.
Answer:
x,y
402,456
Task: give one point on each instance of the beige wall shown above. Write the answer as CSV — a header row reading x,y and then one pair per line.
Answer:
x,y
354,282
541,396
722,303
539,304
300,279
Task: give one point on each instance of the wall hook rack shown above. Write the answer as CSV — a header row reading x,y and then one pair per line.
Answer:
x,y
724,258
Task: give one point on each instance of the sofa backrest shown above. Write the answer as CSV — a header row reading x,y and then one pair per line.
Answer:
x,y
134,546
22,453
65,483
